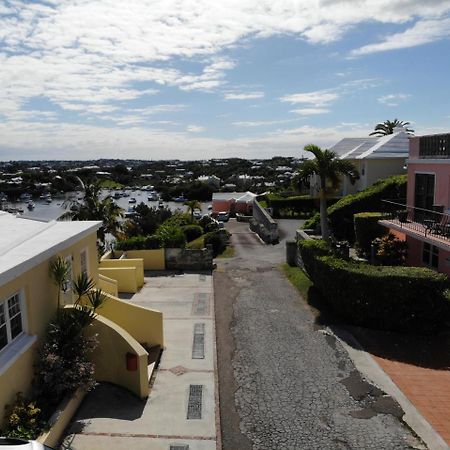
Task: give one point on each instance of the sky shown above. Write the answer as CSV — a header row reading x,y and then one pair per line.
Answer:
x,y
199,79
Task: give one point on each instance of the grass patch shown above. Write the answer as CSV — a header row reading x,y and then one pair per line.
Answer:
x,y
110,184
229,252
298,278
198,243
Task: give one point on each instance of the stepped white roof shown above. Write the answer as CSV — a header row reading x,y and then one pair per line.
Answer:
x,y
394,145
25,243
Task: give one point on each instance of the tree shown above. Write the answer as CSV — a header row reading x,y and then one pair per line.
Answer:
x,y
387,127
59,271
328,167
93,207
192,205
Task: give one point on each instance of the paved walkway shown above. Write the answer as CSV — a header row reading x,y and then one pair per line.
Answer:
x,y
113,419
293,384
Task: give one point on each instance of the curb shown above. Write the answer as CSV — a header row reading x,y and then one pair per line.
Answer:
x,y
366,365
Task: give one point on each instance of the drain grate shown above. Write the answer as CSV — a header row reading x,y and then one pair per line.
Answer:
x,y
179,447
198,345
195,401
200,306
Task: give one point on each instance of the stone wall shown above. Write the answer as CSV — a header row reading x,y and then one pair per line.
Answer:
x,y
264,225
188,259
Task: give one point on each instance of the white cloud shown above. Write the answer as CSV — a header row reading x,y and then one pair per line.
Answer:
x,y
316,98
310,111
261,123
234,95
195,129
423,32
393,99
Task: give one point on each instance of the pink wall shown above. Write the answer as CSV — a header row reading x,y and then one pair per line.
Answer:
x,y
222,205
442,180
415,256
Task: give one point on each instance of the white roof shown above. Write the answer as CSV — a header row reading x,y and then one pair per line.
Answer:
x,y
25,243
247,197
394,145
227,195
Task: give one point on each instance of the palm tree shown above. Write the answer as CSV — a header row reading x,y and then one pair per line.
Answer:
x,y
387,127
192,205
328,167
59,271
93,207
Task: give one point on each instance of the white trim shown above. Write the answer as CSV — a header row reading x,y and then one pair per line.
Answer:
x,y
429,161
11,353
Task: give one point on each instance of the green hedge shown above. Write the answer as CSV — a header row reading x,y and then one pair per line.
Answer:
x,y
380,297
294,205
341,213
218,240
367,229
192,232
140,243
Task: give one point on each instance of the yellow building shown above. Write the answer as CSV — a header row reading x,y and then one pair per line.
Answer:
x,y
28,301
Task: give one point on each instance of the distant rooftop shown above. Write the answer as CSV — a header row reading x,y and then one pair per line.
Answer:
x,y
24,243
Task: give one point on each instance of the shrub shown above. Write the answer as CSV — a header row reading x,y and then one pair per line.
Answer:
x,y
23,419
341,213
140,243
192,232
380,297
208,224
313,223
294,205
309,251
391,251
218,240
171,235
367,229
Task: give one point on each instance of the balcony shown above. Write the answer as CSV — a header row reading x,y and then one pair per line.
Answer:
x,y
432,226
434,147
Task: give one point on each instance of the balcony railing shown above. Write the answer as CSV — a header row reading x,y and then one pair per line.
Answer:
x,y
435,146
428,223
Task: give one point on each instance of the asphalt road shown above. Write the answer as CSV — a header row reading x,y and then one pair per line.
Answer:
x,y
284,382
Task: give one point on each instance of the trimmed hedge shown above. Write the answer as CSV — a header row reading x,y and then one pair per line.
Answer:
x,y
192,232
218,241
367,229
380,297
295,205
341,213
140,243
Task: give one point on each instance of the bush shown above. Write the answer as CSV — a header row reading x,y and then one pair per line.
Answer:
x,y
171,235
23,419
192,232
390,250
380,297
140,243
341,213
208,224
367,229
299,205
218,240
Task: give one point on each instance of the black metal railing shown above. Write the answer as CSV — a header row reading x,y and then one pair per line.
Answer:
x,y
431,223
435,146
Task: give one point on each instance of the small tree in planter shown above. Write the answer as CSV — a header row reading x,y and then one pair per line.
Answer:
x,y
390,250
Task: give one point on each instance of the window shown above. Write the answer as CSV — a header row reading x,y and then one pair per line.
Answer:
x,y
430,255
11,324
84,262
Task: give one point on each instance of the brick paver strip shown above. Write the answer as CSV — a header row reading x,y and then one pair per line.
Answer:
x,y
427,389
150,436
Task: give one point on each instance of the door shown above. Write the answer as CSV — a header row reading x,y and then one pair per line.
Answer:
x,y
423,194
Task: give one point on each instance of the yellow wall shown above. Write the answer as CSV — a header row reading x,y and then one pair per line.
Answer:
x,y
126,277
153,259
40,300
108,285
145,325
118,263
110,357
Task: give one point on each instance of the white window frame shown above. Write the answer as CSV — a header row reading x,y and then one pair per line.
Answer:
x,y
85,250
7,324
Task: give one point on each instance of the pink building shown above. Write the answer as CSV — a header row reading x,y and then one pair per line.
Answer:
x,y
425,220
233,202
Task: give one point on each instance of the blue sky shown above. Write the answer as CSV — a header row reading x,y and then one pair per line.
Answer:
x,y
194,79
